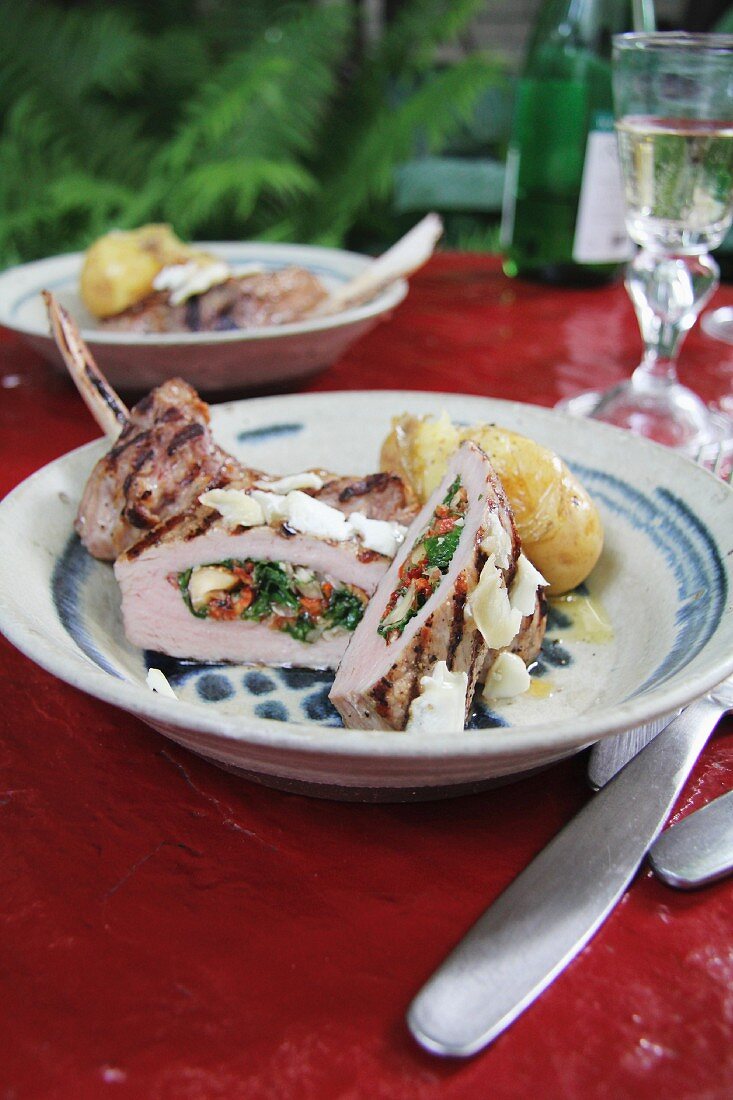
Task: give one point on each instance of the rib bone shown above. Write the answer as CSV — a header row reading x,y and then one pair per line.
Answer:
x,y
104,404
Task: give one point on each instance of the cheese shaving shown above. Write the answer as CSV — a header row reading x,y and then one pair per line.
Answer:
x,y
507,678
441,705
157,682
305,480
237,508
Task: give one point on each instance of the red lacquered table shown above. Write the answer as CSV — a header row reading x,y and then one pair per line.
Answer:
x,y
172,931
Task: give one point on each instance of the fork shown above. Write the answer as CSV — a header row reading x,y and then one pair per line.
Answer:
x,y
699,849
609,755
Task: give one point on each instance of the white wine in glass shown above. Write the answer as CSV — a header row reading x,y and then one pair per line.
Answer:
x,y
673,99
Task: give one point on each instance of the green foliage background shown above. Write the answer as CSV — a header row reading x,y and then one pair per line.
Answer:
x,y
230,120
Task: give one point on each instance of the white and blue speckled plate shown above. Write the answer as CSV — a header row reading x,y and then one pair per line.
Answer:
x,y
213,362
664,579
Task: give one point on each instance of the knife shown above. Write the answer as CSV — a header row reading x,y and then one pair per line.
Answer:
x,y
544,918
609,755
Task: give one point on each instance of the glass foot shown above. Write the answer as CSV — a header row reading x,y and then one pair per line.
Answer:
x,y
685,424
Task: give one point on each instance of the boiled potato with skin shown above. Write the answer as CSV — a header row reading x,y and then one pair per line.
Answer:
x,y
119,268
418,449
558,523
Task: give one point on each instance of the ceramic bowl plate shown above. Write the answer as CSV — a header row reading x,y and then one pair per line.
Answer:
x,y
664,581
213,362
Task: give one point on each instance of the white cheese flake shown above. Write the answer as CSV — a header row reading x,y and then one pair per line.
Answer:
x,y
441,705
305,514
496,541
523,592
507,678
271,505
190,278
379,535
305,480
313,517
490,608
156,681
236,507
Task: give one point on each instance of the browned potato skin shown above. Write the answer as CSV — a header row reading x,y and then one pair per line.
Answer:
x,y
558,523
119,268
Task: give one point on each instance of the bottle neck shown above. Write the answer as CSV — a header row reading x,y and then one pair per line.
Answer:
x,y
580,25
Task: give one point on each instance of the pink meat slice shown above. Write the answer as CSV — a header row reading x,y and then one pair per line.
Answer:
x,y
156,616
377,681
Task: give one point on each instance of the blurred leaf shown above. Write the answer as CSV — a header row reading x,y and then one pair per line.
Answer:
x,y
259,120
210,187
386,139
66,52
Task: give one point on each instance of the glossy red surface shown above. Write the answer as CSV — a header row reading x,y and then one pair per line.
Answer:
x,y
171,931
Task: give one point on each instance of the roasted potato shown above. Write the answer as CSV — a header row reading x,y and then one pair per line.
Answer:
x,y
557,521
119,268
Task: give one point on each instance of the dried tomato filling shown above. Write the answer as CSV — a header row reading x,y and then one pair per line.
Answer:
x,y
287,597
428,561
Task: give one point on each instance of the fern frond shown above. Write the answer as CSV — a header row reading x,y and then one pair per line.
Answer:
x,y
66,52
218,113
365,172
240,185
260,119
267,100
77,193
419,28
48,201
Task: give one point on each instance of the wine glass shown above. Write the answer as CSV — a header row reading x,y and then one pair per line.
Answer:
x,y
673,100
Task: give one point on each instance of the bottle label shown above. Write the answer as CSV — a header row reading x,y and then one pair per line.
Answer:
x,y
600,230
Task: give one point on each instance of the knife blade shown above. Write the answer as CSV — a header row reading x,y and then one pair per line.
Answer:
x,y
551,910
610,755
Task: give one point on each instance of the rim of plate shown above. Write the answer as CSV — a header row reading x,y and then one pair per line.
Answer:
x,y
555,736
68,266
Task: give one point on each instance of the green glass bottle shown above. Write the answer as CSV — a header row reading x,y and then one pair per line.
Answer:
x,y
563,214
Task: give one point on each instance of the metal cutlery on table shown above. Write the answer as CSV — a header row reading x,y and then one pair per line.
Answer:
x,y
699,849
609,755
551,910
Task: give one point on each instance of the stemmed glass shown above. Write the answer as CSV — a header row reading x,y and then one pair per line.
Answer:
x,y
673,99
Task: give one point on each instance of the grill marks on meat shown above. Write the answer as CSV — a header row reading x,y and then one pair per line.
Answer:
x,y
377,496
528,641
183,526
163,460
140,506
378,680
145,491
166,457
455,628
251,301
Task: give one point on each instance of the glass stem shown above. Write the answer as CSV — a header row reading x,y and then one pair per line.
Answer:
x,y
668,293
